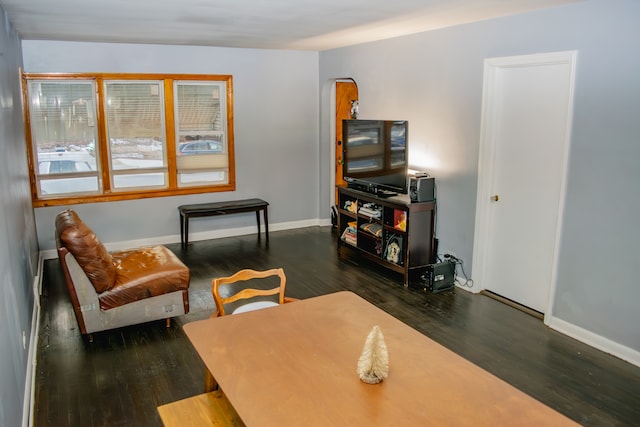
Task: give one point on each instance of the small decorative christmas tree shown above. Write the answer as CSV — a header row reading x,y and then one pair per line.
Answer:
x,y
373,365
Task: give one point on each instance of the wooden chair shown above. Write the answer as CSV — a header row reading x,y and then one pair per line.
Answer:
x,y
207,409
249,298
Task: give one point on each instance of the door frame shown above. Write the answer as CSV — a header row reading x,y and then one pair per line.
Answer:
x,y
330,91
486,165
346,93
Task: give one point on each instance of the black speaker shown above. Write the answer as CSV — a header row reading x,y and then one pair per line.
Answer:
x,y
441,277
422,189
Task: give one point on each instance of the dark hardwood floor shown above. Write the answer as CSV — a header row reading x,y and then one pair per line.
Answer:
x,y
120,378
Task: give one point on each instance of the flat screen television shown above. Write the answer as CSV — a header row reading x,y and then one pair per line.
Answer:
x,y
375,155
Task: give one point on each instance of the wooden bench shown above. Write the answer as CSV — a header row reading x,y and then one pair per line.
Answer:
x,y
221,208
207,409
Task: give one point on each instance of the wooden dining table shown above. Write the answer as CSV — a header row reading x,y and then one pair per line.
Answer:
x,y
295,365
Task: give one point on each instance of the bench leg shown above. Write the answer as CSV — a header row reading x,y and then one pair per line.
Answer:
x,y
186,230
258,221
181,229
266,224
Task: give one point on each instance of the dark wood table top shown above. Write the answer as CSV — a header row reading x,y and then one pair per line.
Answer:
x,y
295,364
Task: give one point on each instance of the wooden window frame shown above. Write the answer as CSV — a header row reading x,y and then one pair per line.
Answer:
x,y
107,195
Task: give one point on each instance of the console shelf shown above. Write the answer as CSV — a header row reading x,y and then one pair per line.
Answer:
x,y
391,231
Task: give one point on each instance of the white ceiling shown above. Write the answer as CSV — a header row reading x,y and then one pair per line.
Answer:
x,y
273,24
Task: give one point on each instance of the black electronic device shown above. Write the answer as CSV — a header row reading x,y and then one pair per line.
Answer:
x,y
441,277
375,155
422,189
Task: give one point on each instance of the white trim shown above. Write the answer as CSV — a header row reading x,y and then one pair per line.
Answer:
x,y
202,235
566,328
485,163
28,402
594,340
332,142
324,222
330,87
570,58
487,155
241,231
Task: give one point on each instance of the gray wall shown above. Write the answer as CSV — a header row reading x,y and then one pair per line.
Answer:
x,y
276,133
434,80
18,247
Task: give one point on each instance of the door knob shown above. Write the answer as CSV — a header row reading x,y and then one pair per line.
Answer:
x,y
495,198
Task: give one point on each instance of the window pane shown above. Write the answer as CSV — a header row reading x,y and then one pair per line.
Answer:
x,y
48,187
136,132
193,179
201,147
63,134
139,180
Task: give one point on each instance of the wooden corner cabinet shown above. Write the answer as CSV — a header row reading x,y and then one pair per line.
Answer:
x,y
391,231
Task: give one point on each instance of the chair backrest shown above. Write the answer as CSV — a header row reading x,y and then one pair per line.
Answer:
x,y
74,235
224,295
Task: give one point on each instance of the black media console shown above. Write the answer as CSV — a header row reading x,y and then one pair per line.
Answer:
x,y
390,230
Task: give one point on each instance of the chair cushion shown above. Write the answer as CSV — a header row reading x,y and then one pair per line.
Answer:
x,y
87,249
254,306
143,273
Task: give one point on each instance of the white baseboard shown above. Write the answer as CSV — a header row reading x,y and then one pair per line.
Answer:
x,y
566,328
115,246
587,337
240,231
28,401
594,340
324,222
202,235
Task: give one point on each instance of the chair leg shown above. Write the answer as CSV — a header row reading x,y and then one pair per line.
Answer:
x,y
168,322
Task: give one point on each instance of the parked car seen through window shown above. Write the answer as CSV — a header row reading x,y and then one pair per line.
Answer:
x,y
200,147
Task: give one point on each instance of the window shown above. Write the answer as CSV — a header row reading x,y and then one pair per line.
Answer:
x,y
136,134
62,117
115,137
200,133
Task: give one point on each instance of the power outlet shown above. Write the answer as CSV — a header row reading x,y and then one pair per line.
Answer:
x,y
452,253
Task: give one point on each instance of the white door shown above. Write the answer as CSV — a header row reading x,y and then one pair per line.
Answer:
x,y
526,122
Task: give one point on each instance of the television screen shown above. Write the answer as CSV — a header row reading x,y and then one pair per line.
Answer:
x,y
375,154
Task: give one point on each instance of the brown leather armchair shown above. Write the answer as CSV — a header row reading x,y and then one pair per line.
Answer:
x,y
114,289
